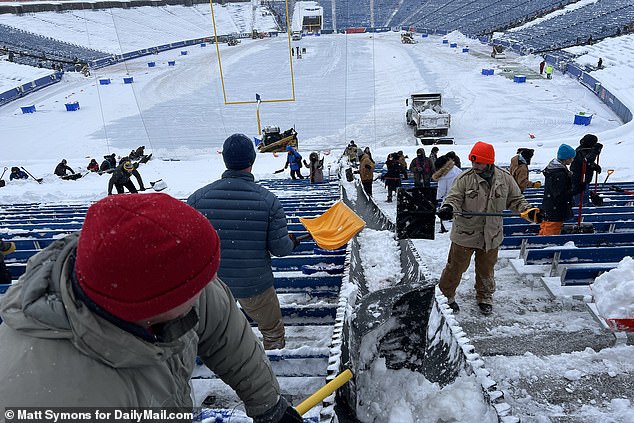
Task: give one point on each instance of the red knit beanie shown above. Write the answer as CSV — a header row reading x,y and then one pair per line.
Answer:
x,y
482,153
141,255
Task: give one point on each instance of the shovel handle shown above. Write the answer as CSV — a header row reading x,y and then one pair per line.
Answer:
x,y
324,391
303,237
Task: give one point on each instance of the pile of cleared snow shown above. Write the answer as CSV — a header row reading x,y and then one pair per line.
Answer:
x,y
404,396
614,291
380,255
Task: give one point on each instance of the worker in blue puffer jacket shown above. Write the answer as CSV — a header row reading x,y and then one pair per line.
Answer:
x,y
294,160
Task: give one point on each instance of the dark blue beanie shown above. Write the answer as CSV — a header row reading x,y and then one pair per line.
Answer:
x,y
566,152
238,152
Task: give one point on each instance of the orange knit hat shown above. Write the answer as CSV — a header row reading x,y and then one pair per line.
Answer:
x,y
482,153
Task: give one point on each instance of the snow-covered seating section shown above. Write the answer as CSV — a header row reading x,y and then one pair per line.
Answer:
x,y
352,13
132,27
309,302
278,8
383,12
568,263
469,17
583,25
18,40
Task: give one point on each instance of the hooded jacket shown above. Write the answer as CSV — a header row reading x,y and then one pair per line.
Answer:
x,y
57,353
519,172
366,168
422,170
445,176
251,224
293,158
471,193
557,201
588,152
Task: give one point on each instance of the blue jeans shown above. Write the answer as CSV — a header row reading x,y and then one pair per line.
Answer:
x,y
586,198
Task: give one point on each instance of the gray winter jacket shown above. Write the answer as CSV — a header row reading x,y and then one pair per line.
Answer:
x,y
251,225
56,352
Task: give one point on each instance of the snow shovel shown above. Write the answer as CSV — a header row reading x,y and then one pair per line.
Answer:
x,y
39,180
279,171
595,198
2,183
524,215
610,172
335,227
619,189
583,176
159,185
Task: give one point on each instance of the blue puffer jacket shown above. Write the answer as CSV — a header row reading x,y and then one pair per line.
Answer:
x,y
251,225
293,158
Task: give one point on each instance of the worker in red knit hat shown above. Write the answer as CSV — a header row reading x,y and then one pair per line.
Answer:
x,y
485,188
115,315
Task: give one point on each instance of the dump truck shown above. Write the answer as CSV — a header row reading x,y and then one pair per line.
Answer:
x,y
427,115
275,141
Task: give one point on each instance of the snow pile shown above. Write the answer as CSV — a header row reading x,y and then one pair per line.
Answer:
x,y
614,291
404,396
380,255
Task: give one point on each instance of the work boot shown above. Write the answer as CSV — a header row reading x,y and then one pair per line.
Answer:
x,y
485,309
454,306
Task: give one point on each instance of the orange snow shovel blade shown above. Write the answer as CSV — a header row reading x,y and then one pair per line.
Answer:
x,y
335,227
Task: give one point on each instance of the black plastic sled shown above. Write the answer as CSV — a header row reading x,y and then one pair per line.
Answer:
x,y
72,177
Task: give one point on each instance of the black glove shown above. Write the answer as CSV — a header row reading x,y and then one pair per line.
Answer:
x,y
281,412
291,416
294,239
445,212
597,168
597,148
536,215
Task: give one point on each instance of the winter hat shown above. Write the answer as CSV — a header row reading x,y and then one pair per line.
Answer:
x,y
482,153
527,153
420,152
149,278
441,161
566,152
238,152
588,140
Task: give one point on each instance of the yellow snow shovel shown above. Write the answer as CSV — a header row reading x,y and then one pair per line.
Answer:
x,y
335,227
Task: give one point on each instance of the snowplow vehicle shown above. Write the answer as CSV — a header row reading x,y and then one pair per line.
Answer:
x,y
275,141
498,52
426,113
407,38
